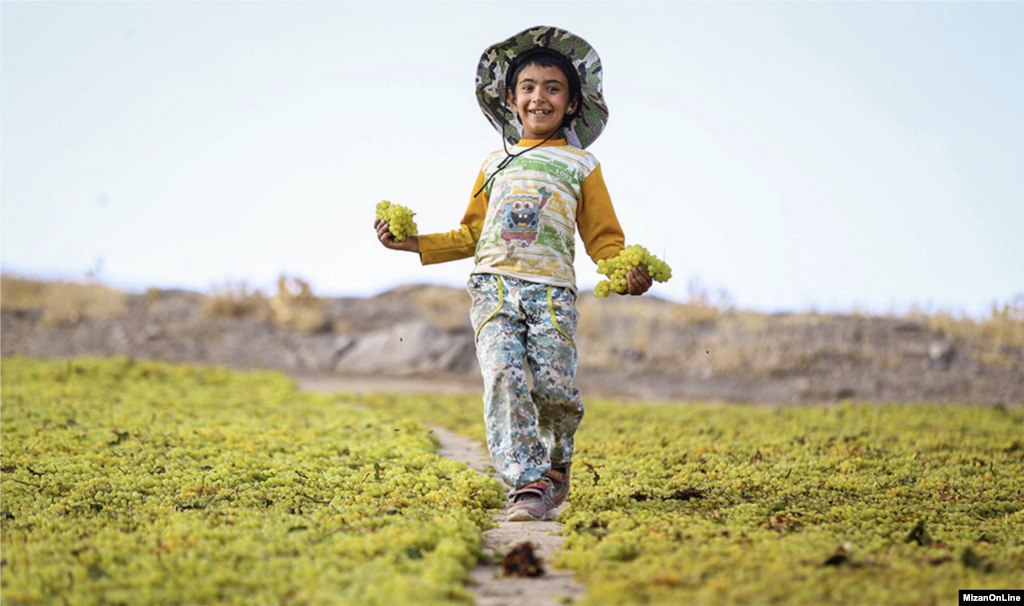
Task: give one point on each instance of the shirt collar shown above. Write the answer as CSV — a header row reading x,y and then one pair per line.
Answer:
x,y
549,143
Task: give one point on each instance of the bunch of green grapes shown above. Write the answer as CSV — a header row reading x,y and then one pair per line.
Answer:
x,y
616,269
399,219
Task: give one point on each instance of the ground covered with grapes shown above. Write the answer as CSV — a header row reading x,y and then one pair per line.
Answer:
x,y
835,504
129,482
143,483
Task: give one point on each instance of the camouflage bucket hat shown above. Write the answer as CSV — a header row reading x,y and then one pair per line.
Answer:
x,y
494,63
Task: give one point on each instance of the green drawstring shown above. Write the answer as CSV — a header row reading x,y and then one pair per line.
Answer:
x,y
551,310
501,301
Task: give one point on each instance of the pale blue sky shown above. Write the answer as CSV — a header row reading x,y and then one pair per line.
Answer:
x,y
799,155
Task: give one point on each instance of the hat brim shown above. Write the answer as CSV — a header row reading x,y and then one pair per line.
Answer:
x,y
493,68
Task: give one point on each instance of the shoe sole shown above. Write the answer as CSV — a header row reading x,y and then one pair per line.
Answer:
x,y
525,516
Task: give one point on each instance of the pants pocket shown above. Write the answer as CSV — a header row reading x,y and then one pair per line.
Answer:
x,y
488,296
562,309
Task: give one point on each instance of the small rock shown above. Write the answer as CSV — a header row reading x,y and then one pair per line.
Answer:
x,y
844,393
941,354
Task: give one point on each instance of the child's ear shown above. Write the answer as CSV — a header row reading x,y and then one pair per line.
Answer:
x,y
510,98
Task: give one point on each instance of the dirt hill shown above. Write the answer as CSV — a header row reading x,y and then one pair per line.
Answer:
x,y
629,347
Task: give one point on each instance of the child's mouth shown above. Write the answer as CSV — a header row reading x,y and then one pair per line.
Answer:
x,y
542,113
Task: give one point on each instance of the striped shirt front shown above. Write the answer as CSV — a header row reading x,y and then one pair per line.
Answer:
x,y
523,224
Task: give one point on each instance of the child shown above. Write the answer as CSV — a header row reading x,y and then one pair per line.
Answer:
x,y
542,90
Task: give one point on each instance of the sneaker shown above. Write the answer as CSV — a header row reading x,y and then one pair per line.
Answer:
x,y
533,502
560,484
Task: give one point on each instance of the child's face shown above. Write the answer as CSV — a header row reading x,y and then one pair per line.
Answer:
x,y
541,100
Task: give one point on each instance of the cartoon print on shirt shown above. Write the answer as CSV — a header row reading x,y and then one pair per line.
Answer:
x,y
520,219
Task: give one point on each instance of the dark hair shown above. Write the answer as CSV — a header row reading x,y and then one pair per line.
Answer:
x,y
545,57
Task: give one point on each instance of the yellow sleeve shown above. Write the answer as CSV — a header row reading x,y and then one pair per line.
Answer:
x,y
459,243
599,227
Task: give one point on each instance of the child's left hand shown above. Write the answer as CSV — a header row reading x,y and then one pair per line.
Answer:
x,y
638,281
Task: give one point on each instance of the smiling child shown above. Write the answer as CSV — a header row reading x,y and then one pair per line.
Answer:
x,y
541,89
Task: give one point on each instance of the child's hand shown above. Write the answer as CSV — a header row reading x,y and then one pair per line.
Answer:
x,y
638,281
411,243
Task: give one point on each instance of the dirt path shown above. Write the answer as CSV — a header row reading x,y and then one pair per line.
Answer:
x,y
554,587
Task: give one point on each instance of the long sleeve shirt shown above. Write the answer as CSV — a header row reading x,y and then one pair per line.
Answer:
x,y
523,224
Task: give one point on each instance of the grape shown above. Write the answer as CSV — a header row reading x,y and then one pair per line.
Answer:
x,y
617,267
197,483
702,503
203,486
399,220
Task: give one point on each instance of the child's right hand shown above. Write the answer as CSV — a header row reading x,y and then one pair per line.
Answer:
x,y
410,244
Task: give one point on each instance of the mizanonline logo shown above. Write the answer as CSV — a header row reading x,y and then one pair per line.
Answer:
x,y
989,596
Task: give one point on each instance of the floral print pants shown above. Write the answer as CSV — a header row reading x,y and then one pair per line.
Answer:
x,y
520,325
